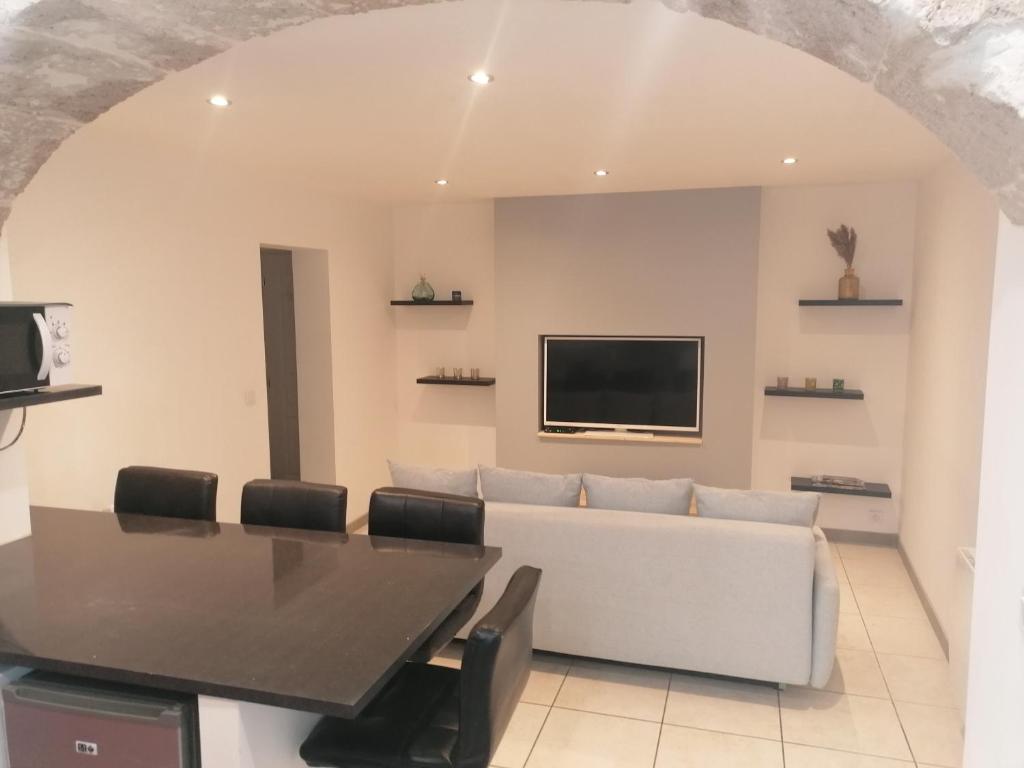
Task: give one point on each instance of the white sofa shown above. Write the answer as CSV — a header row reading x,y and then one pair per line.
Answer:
x,y
749,600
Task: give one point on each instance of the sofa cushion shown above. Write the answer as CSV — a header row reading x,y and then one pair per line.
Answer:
x,y
757,506
461,482
638,494
519,487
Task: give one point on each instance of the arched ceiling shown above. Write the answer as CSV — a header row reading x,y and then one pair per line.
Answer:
x,y
955,65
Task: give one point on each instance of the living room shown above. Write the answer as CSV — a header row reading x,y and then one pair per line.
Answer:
x,y
696,227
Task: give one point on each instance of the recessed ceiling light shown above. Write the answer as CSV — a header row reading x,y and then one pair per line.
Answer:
x,y
789,161
601,172
481,78
441,182
219,100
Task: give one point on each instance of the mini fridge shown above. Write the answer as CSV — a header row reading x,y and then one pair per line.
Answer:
x,y
53,721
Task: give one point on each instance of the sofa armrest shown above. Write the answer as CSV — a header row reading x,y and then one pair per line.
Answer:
x,y
825,625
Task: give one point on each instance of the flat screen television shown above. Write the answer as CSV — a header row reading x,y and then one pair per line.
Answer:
x,y
651,383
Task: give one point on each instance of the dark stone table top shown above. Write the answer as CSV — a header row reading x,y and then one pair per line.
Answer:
x,y
296,619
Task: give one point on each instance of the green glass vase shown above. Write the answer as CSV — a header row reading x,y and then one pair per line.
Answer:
x,y
423,292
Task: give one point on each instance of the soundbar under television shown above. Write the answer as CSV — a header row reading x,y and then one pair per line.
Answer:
x,y
650,383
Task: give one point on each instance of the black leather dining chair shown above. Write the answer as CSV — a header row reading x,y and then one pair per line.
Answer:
x,y
294,504
164,492
441,717
410,514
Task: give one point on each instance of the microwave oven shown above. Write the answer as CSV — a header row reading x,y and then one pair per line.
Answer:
x,y
35,345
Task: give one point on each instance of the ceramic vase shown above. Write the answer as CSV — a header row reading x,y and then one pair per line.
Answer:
x,y
849,285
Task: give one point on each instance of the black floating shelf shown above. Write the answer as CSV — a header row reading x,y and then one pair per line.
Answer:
x,y
826,394
851,302
49,395
876,490
464,382
411,303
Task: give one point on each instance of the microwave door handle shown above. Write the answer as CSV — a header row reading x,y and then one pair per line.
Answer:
x,y
47,341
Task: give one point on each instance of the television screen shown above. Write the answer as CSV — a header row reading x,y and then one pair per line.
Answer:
x,y
624,382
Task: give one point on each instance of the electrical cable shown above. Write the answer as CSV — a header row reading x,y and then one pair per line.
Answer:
x,y
21,430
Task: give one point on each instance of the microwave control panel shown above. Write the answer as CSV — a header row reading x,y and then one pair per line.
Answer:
x,y
58,320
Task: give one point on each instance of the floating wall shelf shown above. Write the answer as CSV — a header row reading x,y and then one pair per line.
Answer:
x,y
464,382
851,302
411,303
876,490
49,395
825,394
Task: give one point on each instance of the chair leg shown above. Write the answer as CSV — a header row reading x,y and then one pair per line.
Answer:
x,y
782,687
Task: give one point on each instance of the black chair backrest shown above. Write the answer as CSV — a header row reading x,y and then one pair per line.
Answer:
x,y
294,504
495,668
410,514
166,493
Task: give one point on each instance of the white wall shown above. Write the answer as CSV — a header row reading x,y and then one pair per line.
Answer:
x,y
313,357
866,346
159,251
453,245
995,697
14,520
953,268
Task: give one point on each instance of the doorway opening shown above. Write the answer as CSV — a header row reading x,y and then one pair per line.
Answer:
x,y
299,369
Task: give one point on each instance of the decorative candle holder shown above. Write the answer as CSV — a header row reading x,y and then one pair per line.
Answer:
x,y
474,374
838,385
783,382
441,371
457,373
810,383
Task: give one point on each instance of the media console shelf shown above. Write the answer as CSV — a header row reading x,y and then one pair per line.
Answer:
x,y
851,302
825,394
621,437
411,303
451,381
876,490
49,395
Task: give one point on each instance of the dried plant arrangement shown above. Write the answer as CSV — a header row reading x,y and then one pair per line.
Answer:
x,y
844,240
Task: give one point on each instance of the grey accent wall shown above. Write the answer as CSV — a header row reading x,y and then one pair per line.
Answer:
x,y
668,263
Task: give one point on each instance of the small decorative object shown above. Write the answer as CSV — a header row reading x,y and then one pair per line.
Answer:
x,y
810,383
457,297
474,374
837,481
423,293
783,382
457,373
844,240
838,385
441,372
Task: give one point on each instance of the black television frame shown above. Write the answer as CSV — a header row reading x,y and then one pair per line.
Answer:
x,y
659,430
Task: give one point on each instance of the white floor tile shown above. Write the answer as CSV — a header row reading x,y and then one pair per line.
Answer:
x,y
847,602
917,680
573,739
450,656
852,633
519,738
730,706
615,689
873,572
934,733
873,552
904,637
547,672
840,721
857,672
897,602
690,748
799,756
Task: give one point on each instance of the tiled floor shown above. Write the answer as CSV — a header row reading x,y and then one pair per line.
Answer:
x,y
888,704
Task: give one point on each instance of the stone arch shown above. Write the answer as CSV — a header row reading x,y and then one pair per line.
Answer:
x,y
955,65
